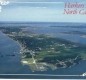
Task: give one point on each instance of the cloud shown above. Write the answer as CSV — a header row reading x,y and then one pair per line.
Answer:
x,y
4,2
39,2
42,7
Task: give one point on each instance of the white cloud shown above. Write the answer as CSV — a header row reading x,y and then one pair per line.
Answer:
x,y
4,2
0,7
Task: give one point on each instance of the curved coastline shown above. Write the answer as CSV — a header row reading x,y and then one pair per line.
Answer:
x,y
19,44
21,52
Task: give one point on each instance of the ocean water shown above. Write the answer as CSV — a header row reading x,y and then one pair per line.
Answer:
x,y
10,64
58,32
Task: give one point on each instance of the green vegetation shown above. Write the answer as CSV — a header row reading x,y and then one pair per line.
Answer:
x,y
40,49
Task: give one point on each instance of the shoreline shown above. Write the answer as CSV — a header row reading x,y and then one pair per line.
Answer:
x,y
25,62
22,48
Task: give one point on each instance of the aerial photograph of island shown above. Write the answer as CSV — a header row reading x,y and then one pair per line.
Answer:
x,y
39,39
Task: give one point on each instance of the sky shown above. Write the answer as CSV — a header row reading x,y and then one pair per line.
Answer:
x,y
39,11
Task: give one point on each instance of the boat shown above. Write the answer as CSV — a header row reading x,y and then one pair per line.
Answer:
x,y
84,74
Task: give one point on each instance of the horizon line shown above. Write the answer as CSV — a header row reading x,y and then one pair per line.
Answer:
x,y
37,22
